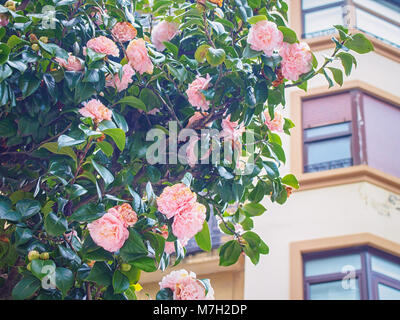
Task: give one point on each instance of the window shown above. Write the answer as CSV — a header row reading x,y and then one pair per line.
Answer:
x,y
350,128
319,17
360,273
378,18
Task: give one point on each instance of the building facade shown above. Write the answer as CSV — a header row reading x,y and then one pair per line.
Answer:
x,y
338,237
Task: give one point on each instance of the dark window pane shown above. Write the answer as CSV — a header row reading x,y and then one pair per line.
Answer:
x,y
333,264
322,20
386,267
378,27
388,293
337,129
335,290
328,150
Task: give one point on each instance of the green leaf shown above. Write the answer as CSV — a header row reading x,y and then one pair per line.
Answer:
x,y
88,213
337,75
291,180
54,225
66,141
106,147
165,294
41,268
255,19
150,99
133,102
28,208
103,172
8,128
101,274
201,53
172,48
215,56
359,43
4,53
289,35
146,264
25,288
53,147
254,209
64,280
203,238
272,169
120,282
229,253
133,248
28,84
347,61
22,235
118,135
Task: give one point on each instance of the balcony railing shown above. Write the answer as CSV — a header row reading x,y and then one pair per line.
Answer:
x,y
336,164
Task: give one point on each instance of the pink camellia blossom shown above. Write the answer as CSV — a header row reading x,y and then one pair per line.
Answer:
x,y
276,124
124,31
72,64
95,110
125,213
103,45
232,132
175,200
121,84
192,147
163,32
138,56
3,19
196,97
185,286
170,245
189,222
108,232
296,60
265,36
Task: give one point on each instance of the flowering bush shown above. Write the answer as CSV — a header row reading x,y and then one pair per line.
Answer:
x,y
90,94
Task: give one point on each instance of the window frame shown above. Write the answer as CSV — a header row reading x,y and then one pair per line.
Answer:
x,y
368,280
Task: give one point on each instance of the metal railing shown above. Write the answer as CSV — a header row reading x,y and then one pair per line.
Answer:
x,y
329,165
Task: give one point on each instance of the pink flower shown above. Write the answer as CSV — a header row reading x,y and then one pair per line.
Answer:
x,y
124,31
108,232
265,36
121,84
175,199
296,60
125,213
170,245
170,280
163,32
196,97
231,132
185,286
3,20
103,45
276,124
72,64
138,56
95,110
189,222
196,117
191,148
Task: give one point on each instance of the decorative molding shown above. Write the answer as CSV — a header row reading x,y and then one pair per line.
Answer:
x,y
297,249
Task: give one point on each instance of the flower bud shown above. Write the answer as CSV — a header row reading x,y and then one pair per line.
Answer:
x,y
29,266
9,3
44,256
126,267
44,39
35,47
33,255
33,38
